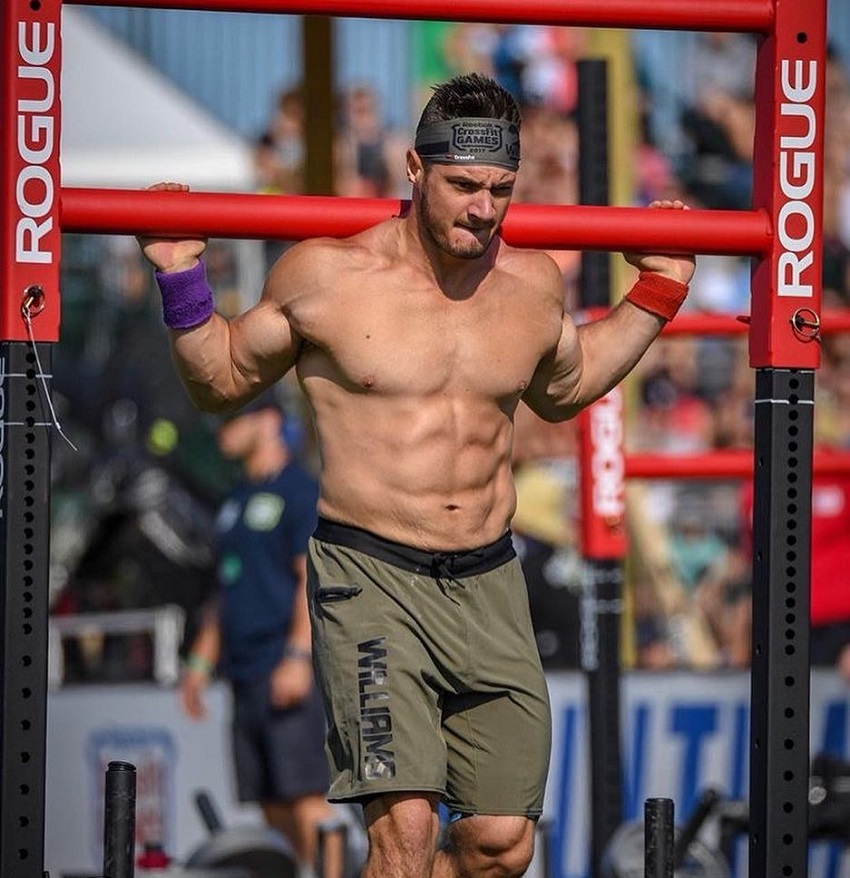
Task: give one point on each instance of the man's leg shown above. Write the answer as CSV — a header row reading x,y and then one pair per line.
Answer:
x,y
403,830
486,847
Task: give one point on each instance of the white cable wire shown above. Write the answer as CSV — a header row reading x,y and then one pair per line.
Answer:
x,y
25,311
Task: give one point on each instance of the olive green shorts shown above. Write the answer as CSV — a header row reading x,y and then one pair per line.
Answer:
x,y
430,673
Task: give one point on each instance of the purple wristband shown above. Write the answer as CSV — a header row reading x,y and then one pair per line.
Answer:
x,y
187,300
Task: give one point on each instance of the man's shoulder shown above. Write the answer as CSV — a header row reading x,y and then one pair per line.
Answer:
x,y
317,260
314,254
534,268
525,258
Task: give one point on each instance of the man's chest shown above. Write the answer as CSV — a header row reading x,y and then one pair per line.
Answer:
x,y
407,344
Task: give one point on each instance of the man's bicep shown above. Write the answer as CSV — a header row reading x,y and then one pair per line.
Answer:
x,y
556,379
263,343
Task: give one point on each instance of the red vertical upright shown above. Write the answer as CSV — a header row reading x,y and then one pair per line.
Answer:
x,y
788,184
29,166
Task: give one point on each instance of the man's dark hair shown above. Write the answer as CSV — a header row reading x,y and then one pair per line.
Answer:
x,y
471,96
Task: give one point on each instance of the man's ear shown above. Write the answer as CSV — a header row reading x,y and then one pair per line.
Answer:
x,y
415,168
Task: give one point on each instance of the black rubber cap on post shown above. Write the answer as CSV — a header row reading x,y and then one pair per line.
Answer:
x,y
658,838
119,820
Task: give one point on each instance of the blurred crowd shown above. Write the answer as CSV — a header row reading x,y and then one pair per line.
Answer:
x,y
688,571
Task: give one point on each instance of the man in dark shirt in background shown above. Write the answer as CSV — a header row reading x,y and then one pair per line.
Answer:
x,y
256,631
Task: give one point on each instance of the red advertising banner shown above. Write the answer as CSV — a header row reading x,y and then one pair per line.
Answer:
x,y
602,478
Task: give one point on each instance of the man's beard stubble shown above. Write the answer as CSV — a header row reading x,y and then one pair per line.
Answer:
x,y
474,249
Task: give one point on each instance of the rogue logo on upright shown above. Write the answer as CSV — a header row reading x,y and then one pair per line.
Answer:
x,y
796,220
35,188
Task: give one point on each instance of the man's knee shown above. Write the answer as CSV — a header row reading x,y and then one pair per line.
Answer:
x,y
492,846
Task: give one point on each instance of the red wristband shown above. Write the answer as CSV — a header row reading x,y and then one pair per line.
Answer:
x,y
657,294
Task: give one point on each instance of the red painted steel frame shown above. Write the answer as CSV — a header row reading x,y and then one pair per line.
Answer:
x,y
788,182
833,321
602,495
720,465
726,15
295,217
30,55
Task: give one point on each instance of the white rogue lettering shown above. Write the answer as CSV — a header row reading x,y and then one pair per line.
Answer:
x,y
35,190
796,221
606,436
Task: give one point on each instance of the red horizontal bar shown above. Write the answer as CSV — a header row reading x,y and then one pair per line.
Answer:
x,y
833,321
719,465
697,15
296,217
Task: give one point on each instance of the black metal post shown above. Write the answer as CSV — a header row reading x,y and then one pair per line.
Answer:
x,y
779,698
658,831
593,177
119,820
318,92
708,801
601,613
209,812
600,656
24,542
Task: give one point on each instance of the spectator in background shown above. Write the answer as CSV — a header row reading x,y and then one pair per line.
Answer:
x,y
279,158
655,177
722,62
832,414
720,122
676,418
470,46
836,170
362,166
549,175
829,639
732,404
830,587
550,77
536,63
696,550
544,539
257,632
369,158
550,162
714,574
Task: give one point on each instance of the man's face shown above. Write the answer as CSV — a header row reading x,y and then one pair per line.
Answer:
x,y
462,207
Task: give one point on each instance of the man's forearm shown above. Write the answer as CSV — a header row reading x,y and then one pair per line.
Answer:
x,y
203,359
612,347
206,648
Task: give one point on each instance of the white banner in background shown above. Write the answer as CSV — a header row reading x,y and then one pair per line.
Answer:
x,y
681,733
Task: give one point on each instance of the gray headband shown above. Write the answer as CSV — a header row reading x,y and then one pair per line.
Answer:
x,y
470,142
